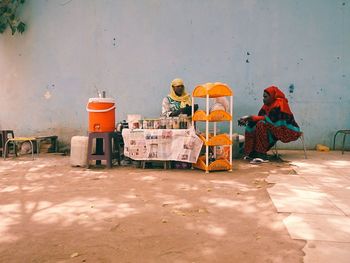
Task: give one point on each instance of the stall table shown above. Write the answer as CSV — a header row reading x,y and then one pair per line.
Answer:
x,y
162,144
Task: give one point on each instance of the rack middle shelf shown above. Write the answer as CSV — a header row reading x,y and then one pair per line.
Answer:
x,y
221,139
214,116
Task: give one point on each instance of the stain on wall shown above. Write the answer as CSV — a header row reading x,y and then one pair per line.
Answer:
x,y
133,49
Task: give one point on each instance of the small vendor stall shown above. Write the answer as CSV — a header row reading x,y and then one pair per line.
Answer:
x,y
162,144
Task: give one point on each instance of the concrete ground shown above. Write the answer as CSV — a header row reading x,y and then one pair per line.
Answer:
x,y
317,196
51,212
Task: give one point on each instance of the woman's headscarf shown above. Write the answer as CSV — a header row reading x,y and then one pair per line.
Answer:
x,y
278,100
185,98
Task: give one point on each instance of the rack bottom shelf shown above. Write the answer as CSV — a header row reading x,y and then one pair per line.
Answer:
x,y
217,165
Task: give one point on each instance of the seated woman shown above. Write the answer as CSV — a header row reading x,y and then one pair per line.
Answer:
x,y
274,122
178,101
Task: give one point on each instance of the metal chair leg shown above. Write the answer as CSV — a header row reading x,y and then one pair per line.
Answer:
x,y
344,136
7,145
276,152
5,150
31,144
335,135
344,132
37,148
303,142
304,147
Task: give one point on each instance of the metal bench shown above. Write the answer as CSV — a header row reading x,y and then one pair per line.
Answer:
x,y
53,140
20,139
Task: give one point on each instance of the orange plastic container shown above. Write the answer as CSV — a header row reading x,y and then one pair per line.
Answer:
x,y
101,114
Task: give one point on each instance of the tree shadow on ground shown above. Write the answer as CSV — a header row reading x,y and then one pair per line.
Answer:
x,y
51,212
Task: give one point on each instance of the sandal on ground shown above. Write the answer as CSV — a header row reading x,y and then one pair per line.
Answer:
x,y
258,160
247,158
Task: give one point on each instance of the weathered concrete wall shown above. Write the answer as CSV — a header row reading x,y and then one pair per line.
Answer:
x,y
133,49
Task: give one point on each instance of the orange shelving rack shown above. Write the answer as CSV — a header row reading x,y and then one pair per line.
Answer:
x,y
207,91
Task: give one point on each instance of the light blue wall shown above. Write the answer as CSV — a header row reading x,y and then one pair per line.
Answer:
x,y
134,48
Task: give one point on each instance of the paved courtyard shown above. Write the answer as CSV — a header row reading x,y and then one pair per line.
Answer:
x,y
317,195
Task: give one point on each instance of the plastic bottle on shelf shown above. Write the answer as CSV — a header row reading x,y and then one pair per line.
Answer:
x,y
176,123
162,123
156,124
150,124
183,121
145,124
169,123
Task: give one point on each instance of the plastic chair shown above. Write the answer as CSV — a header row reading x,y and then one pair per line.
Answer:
x,y
345,132
303,142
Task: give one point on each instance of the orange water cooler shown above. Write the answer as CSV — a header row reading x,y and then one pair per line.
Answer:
x,y
101,114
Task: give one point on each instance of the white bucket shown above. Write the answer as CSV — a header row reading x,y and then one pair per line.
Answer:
x,y
79,151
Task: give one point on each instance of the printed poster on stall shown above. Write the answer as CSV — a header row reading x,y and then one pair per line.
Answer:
x,y
162,144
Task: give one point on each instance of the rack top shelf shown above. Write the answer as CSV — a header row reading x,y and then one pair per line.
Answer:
x,y
214,90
